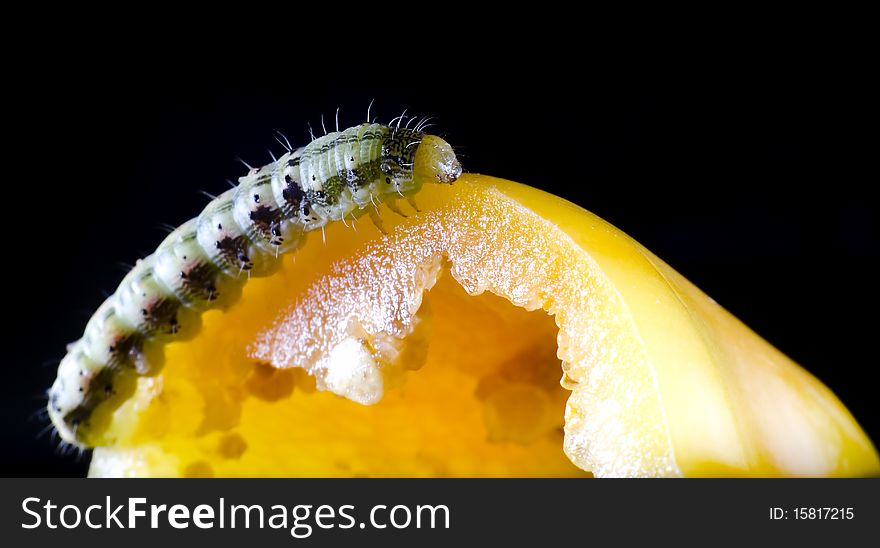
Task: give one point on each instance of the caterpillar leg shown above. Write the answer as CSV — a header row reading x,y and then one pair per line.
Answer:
x,y
377,220
412,202
393,206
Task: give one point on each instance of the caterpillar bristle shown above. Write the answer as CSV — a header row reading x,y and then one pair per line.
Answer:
x,y
45,430
285,143
39,415
52,362
370,106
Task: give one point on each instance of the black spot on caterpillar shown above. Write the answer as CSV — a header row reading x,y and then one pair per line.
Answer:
x,y
203,263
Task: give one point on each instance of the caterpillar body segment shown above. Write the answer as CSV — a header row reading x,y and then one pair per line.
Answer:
x,y
204,263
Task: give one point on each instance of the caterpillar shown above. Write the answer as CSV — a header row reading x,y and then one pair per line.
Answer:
x,y
203,263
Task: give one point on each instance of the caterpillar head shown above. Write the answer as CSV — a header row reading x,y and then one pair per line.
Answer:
x,y
435,162
411,159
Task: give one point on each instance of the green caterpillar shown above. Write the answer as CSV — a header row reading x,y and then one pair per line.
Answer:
x,y
241,233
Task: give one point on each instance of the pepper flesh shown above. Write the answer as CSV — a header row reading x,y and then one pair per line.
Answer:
x,y
664,382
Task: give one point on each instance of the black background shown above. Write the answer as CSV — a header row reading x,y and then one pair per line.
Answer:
x,y
745,171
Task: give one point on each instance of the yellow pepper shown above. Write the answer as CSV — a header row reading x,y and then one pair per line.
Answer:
x,y
437,350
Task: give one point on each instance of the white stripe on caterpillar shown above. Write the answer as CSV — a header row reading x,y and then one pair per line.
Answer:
x,y
204,262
